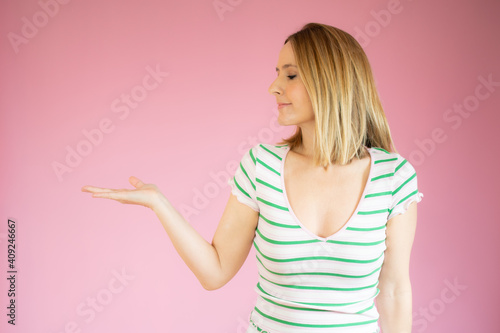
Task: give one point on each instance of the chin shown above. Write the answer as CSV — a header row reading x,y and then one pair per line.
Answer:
x,y
283,122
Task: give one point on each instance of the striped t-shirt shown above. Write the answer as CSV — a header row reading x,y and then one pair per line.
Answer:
x,y
309,283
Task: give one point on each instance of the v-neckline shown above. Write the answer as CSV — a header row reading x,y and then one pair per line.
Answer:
x,y
349,221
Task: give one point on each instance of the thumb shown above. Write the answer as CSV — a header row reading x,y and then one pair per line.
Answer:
x,y
136,182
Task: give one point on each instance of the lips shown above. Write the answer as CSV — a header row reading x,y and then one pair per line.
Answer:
x,y
280,105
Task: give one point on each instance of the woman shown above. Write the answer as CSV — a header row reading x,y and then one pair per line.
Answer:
x,y
331,211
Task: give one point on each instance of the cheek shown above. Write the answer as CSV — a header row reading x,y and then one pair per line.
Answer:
x,y
300,95
305,101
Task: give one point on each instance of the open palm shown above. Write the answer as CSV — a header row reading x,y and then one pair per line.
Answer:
x,y
143,194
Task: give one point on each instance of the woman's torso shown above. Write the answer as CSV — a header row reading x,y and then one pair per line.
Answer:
x,y
323,201
320,241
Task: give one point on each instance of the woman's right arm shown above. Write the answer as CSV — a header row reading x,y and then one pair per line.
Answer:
x,y
213,264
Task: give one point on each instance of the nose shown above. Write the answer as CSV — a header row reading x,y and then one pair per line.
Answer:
x,y
274,88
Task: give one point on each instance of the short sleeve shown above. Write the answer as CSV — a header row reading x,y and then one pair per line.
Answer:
x,y
404,188
243,184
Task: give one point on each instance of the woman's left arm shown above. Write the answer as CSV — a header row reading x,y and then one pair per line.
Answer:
x,y
394,302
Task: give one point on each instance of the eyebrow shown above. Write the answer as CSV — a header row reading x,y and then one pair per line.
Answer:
x,y
285,67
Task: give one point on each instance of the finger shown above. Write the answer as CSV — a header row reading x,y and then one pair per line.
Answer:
x,y
122,197
110,195
136,182
88,188
93,189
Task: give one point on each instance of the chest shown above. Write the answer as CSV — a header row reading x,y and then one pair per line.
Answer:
x,y
324,201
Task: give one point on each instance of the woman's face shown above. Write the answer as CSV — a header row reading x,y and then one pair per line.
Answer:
x,y
289,89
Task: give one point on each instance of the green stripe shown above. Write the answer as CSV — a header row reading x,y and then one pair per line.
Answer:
x,y
355,243
365,229
383,176
291,307
281,225
381,149
293,286
267,166
315,326
400,201
241,188
320,273
400,165
386,160
272,241
246,174
368,308
317,258
311,304
272,204
402,185
319,304
253,157
370,212
269,185
273,153
378,194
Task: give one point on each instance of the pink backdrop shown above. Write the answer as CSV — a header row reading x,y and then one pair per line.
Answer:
x,y
173,92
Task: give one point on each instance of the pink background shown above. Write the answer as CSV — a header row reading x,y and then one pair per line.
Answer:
x,y
69,73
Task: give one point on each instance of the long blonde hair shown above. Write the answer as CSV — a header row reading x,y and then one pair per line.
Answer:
x,y
347,109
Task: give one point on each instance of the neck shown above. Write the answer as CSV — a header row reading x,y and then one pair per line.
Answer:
x,y
307,149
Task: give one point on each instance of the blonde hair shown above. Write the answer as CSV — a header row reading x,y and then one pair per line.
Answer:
x,y
347,109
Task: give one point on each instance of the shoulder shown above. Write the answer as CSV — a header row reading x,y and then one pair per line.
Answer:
x,y
394,159
268,149
394,165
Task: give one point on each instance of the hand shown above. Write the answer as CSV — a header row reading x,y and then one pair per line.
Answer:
x,y
146,195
